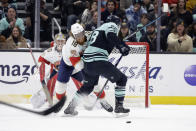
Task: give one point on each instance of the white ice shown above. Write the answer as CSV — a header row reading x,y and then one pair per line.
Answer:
x,y
155,118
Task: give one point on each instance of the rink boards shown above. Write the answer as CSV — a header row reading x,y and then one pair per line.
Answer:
x,y
172,77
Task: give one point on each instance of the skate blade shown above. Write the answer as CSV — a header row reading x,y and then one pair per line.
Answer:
x,y
69,115
119,115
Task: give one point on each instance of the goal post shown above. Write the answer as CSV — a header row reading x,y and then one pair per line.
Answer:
x,y
136,67
142,48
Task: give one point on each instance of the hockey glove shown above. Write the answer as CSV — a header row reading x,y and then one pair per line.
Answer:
x,y
56,65
123,48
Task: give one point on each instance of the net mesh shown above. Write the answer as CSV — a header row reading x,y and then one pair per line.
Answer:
x,y
135,67
134,49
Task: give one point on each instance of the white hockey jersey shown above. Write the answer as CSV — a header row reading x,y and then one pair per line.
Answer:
x,y
72,52
51,56
47,60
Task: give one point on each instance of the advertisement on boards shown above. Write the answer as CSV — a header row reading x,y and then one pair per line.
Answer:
x,y
169,74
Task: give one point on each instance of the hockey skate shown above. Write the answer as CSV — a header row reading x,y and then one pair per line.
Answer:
x,y
70,110
106,106
120,111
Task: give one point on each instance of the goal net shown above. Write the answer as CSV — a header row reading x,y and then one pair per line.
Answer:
x,y
136,67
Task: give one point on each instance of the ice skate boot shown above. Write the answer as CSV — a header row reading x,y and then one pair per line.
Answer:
x,y
70,110
120,111
106,105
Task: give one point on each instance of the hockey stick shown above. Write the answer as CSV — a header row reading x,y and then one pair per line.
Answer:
x,y
142,27
100,92
45,89
53,108
59,27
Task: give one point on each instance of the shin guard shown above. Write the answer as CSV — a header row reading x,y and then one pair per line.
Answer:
x,y
60,89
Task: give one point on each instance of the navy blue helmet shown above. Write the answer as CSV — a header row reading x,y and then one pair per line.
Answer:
x,y
113,18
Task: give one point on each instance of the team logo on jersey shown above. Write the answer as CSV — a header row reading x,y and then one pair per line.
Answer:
x,y
74,52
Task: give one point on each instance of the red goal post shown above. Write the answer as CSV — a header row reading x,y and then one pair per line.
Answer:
x,y
146,49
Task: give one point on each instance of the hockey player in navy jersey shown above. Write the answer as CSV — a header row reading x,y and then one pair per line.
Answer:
x,y
95,57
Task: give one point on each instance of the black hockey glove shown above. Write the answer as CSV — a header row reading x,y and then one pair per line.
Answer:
x,y
123,48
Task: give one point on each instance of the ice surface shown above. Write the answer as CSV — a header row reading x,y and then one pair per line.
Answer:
x,y
155,118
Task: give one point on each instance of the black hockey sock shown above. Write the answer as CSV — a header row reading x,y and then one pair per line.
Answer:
x,y
84,90
119,95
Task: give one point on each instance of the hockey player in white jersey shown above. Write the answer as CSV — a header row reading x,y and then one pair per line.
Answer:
x,y
95,57
71,64
49,61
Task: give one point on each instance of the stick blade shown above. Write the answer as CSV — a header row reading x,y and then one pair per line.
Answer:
x,y
43,113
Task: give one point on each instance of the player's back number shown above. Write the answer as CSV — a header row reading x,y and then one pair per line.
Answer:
x,y
93,37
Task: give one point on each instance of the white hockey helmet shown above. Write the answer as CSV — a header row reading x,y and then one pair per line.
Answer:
x,y
76,29
59,41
